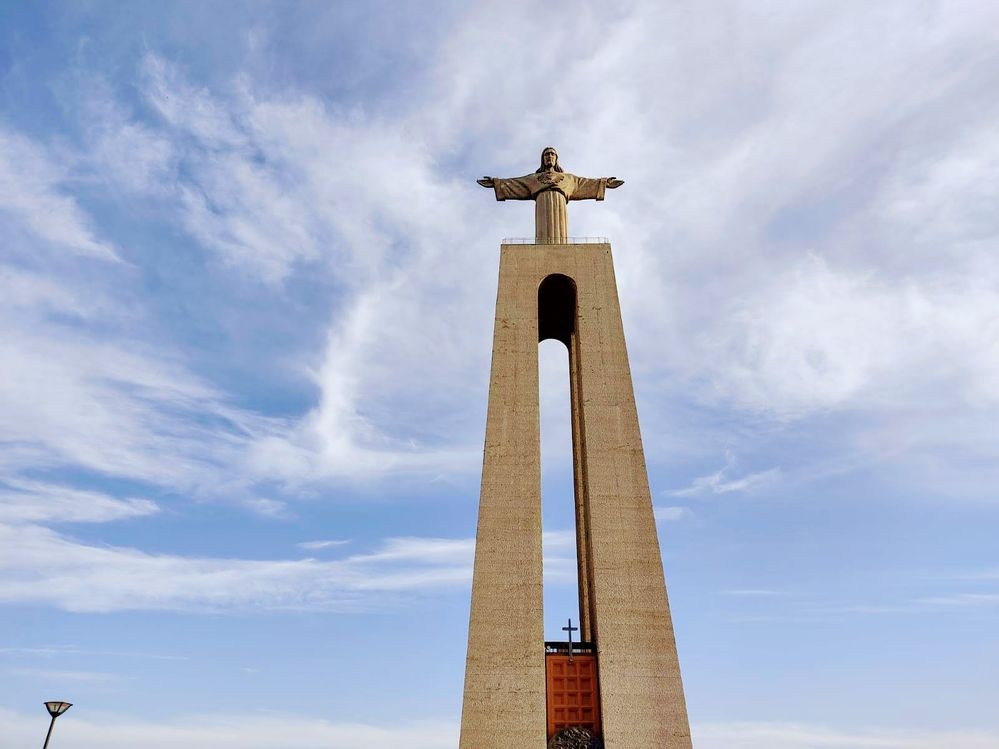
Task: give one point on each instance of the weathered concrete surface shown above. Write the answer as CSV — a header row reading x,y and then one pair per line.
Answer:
x,y
626,611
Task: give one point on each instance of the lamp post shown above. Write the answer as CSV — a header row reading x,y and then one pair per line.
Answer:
x,y
55,710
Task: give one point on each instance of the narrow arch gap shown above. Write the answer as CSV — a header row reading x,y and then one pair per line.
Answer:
x,y
556,324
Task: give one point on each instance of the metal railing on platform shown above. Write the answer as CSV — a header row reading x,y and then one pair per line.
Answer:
x,y
569,240
554,648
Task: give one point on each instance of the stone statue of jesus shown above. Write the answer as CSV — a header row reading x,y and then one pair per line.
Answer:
x,y
550,188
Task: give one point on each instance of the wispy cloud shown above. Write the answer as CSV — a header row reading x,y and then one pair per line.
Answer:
x,y
328,544
671,514
799,607
41,566
32,192
34,501
59,677
984,574
266,507
720,482
962,600
65,650
120,409
559,557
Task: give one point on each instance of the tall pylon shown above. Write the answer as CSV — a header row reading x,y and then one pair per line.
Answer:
x,y
567,291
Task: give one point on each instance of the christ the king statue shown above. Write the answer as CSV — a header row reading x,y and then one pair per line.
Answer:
x,y
550,188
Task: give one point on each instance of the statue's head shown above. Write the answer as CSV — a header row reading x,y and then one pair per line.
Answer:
x,y
549,161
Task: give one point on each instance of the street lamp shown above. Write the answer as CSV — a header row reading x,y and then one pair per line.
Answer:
x,y
55,710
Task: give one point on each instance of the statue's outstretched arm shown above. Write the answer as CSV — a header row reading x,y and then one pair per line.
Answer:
x,y
508,188
592,188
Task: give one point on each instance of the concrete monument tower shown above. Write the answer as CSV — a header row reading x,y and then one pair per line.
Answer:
x,y
622,681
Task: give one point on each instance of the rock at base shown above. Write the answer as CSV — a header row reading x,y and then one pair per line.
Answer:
x,y
575,738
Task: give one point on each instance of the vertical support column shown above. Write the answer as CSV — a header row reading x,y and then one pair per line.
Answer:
x,y
504,704
583,553
641,694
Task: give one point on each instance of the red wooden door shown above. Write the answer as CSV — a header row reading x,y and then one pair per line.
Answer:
x,y
573,697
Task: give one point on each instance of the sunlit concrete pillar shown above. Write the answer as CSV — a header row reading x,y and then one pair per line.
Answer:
x,y
623,601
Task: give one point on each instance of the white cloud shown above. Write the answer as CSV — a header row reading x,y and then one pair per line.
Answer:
x,y
559,557
941,196
327,544
33,501
126,153
193,110
59,651
27,293
962,600
267,508
985,574
818,338
719,482
60,677
671,514
32,192
41,566
121,408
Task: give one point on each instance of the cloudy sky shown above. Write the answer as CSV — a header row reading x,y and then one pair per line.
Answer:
x,y
246,292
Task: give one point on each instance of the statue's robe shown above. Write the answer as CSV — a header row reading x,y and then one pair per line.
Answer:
x,y
550,192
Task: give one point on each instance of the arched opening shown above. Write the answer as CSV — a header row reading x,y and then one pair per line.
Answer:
x,y
557,322
563,519
557,309
572,691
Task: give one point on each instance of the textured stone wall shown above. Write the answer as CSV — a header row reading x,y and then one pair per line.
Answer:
x,y
640,688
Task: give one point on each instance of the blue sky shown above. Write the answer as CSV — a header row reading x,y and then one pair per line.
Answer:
x,y
247,284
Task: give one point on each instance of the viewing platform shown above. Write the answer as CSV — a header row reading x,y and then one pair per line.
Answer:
x,y
567,240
